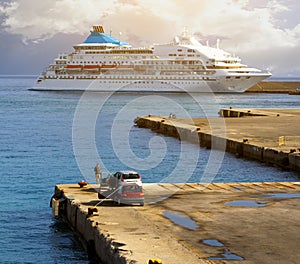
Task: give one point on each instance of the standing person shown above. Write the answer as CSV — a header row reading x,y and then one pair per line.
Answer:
x,y
98,174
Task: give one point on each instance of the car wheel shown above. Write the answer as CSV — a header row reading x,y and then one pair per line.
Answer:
x,y
101,196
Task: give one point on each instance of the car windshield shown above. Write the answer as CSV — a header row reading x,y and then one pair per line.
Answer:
x,y
132,188
130,176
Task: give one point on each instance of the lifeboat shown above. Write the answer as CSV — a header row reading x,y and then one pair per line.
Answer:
x,y
73,67
139,68
108,66
91,67
125,67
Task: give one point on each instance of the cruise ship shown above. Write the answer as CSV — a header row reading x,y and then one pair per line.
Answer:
x,y
104,63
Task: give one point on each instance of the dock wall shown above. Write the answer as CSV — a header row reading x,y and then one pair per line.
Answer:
x,y
97,243
239,113
294,161
241,149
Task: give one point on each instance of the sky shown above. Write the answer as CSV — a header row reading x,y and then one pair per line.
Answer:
x,y
264,34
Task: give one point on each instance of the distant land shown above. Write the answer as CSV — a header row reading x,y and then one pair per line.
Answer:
x,y
276,85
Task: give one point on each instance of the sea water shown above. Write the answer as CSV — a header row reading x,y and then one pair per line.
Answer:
x,y
48,138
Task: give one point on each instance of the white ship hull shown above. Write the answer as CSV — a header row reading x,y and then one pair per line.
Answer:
x,y
175,85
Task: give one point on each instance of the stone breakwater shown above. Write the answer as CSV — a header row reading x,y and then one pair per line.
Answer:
x,y
255,135
274,87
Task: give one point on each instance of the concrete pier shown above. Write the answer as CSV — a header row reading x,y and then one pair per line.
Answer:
x,y
266,135
188,223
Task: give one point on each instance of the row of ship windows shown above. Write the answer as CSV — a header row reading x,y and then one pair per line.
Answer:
x,y
90,48
189,50
120,57
236,77
138,51
128,77
127,63
133,52
144,57
154,78
121,50
147,82
184,55
109,51
131,57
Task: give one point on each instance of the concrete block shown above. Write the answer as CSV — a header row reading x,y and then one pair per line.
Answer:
x,y
253,152
294,161
71,212
275,157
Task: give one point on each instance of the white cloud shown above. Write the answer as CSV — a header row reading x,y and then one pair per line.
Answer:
x,y
244,26
43,19
277,6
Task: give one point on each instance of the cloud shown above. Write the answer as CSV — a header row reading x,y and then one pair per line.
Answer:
x,y
236,21
243,26
42,20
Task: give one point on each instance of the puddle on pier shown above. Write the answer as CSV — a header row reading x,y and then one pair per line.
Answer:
x,y
245,203
212,242
181,219
227,255
281,195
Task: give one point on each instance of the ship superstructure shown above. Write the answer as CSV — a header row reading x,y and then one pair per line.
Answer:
x,y
104,63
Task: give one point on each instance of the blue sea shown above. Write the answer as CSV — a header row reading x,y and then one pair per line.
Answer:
x,y
47,138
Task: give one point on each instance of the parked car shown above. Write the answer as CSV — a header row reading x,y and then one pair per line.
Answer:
x,y
131,193
128,177
127,193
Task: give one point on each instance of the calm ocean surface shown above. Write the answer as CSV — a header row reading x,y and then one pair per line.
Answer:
x,y
46,138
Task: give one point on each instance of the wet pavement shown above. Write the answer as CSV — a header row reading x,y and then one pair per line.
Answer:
x,y
245,222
